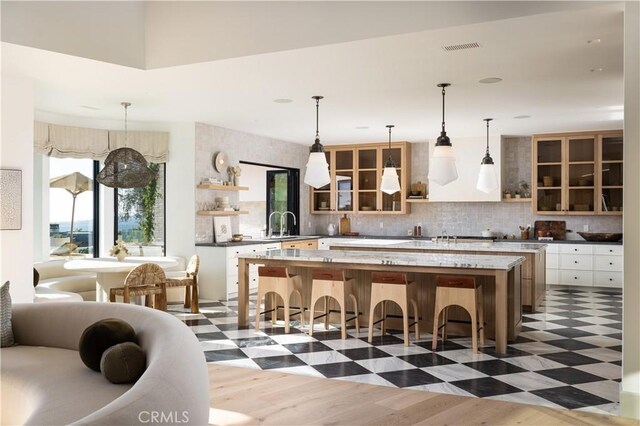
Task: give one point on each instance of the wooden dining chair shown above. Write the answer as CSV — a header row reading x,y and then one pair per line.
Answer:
x,y
146,280
188,279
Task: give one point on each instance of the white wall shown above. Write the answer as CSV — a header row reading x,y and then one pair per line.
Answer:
x,y
180,191
630,393
469,153
16,152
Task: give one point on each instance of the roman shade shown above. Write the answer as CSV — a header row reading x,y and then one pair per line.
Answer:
x,y
80,142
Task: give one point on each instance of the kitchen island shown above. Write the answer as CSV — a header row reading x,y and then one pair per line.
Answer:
x,y
534,283
500,275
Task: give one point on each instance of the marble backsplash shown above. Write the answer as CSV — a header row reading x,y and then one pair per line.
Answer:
x,y
466,219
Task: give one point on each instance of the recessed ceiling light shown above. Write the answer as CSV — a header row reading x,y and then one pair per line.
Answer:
x,y
282,101
520,117
594,41
362,127
90,107
596,70
490,80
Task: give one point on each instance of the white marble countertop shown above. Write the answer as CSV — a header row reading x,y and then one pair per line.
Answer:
x,y
488,246
391,258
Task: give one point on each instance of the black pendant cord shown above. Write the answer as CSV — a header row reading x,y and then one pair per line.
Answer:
x,y
443,109
317,117
390,162
487,157
317,146
488,136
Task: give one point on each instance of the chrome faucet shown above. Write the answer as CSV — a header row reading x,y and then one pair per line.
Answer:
x,y
271,228
282,217
442,235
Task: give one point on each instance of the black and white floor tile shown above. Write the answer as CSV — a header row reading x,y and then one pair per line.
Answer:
x,y
567,355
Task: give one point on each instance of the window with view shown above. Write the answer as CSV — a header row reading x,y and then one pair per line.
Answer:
x,y
72,217
140,216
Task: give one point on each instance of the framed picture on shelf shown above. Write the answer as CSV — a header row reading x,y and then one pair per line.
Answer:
x,y
222,229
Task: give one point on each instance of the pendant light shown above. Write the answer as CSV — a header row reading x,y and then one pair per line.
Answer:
x,y
442,168
487,180
125,167
390,183
317,173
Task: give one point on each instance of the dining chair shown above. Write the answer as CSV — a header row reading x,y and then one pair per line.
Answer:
x,y
146,280
189,279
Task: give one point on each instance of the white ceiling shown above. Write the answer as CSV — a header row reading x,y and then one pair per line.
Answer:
x,y
544,61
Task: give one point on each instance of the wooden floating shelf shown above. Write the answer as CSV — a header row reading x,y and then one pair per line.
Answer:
x,y
222,187
221,212
417,200
516,200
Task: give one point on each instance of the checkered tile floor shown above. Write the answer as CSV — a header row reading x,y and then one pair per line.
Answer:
x,y
567,356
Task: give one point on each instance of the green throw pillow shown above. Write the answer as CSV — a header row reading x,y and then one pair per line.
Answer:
x,y
100,336
123,363
6,331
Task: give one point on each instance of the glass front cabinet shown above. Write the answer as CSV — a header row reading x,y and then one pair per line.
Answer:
x,y
577,174
356,173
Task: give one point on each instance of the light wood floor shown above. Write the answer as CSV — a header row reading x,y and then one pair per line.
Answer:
x,y
242,396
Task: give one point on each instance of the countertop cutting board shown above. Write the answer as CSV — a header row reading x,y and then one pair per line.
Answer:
x,y
557,228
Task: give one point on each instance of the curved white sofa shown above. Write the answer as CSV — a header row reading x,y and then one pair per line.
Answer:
x,y
45,382
59,284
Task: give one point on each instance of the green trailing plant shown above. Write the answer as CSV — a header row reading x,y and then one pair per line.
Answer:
x,y
139,203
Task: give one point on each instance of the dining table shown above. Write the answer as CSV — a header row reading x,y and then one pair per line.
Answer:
x,y
111,272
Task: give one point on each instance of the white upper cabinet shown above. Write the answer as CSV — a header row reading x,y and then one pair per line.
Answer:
x,y
469,153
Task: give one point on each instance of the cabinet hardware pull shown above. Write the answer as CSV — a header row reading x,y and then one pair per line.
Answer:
x,y
610,263
610,279
575,278
575,261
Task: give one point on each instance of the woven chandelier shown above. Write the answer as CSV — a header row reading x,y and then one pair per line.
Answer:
x,y
125,167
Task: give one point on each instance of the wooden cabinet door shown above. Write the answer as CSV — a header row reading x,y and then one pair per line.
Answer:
x,y
609,174
580,175
548,175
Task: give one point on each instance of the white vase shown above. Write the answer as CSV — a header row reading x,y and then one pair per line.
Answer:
x,y
120,256
331,229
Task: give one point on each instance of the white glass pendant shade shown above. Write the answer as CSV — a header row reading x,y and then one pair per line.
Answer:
x,y
317,173
487,180
442,170
390,182
444,151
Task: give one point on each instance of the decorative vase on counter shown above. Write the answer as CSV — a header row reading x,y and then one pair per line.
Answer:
x,y
331,229
121,255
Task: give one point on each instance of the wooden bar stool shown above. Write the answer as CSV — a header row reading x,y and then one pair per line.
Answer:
x,y
278,281
464,292
333,283
393,286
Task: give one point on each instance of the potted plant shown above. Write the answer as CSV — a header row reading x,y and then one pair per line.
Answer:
x,y
517,193
524,188
507,193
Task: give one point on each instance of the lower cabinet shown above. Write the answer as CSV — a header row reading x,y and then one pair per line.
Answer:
x,y
590,265
218,276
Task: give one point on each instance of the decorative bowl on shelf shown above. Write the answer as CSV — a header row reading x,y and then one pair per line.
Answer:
x,y
237,237
609,237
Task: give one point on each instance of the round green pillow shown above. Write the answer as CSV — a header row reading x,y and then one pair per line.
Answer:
x,y
100,336
123,363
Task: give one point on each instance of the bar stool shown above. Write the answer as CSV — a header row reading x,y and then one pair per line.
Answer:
x,y
278,281
393,286
464,292
333,283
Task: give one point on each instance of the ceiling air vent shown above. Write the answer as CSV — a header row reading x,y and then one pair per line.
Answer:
x,y
464,46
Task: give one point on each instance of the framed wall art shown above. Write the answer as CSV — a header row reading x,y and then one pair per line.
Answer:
x,y
10,199
222,228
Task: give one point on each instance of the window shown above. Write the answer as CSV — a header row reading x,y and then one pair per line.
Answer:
x,y
140,216
73,217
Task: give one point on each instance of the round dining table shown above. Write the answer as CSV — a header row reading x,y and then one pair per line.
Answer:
x,y
110,272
